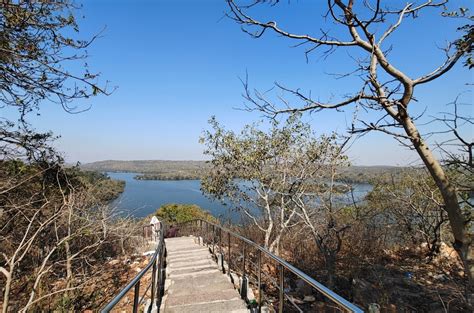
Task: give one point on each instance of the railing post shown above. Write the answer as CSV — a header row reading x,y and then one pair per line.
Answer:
x,y
228,251
282,289
220,240
158,276
136,295
213,239
200,233
153,283
259,255
243,286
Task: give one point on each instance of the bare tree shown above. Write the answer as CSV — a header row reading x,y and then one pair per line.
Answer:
x,y
52,227
385,88
413,203
319,208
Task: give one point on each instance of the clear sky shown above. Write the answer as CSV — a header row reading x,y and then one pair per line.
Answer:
x,y
178,62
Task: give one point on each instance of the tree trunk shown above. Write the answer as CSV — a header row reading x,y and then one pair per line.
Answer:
x,y
69,273
330,261
275,245
268,233
459,225
6,293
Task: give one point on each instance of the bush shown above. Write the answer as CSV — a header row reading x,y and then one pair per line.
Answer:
x,y
179,213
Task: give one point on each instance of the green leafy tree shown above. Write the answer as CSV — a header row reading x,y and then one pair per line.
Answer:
x,y
275,178
174,213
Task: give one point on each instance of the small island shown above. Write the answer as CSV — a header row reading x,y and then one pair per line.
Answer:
x,y
169,176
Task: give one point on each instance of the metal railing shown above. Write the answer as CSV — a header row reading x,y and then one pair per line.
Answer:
x,y
157,278
218,237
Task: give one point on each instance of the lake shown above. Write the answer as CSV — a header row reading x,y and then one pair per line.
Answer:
x,y
142,197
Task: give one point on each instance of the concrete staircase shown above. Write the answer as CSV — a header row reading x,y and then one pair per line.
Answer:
x,y
194,282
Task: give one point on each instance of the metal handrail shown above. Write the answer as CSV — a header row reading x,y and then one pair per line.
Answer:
x,y
282,266
156,263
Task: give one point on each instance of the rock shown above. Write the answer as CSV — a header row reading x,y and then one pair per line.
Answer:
x,y
440,277
296,300
319,306
302,287
373,308
391,308
309,298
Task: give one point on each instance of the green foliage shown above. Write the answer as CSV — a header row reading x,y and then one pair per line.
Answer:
x,y
38,45
37,40
275,158
100,186
179,213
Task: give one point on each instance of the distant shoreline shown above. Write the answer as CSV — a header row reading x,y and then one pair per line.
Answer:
x,y
195,170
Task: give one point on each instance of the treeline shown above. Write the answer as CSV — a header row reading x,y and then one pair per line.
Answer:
x,y
146,166
100,185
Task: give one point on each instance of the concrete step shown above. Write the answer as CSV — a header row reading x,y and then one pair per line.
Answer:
x,y
199,284
186,262
192,266
232,306
187,254
188,250
191,258
187,273
194,282
202,297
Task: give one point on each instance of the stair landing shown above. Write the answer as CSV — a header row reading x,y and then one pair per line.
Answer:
x,y
194,282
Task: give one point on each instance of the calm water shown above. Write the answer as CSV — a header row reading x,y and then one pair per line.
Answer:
x,y
143,197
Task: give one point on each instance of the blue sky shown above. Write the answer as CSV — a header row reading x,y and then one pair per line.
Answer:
x,y
178,62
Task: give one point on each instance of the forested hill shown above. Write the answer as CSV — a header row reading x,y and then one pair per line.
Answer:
x,y
153,169
145,166
164,169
